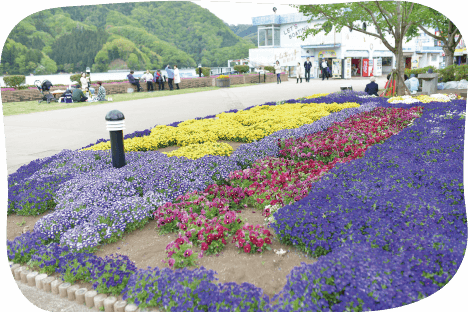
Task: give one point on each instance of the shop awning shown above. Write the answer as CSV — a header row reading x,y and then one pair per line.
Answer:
x,y
382,53
321,46
408,53
356,53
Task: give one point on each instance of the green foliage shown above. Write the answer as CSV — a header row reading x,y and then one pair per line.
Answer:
x,y
242,68
14,81
78,48
75,78
271,69
418,71
453,73
206,71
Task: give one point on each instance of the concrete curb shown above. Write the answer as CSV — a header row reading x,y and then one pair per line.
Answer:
x,y
69,292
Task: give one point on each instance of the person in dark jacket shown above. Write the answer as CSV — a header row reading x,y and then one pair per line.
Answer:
x,y
134,81
372,87
78,95
307,67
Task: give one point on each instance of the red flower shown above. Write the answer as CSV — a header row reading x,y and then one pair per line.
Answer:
x,y
187,253
247,248
224,241
180,241
204,246
267,241
259,243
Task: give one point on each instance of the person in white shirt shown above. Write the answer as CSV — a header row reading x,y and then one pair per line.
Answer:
x,y
84,82
278,72
149,81
176,76
299,72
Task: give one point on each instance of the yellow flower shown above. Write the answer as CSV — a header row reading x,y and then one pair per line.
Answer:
x,y
200,137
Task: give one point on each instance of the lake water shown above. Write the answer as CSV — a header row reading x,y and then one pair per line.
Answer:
x,y
118,75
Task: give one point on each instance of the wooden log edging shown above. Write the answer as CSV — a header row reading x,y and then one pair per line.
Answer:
x,y
73,292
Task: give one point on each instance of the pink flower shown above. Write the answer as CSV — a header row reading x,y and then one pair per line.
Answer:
x,y
204,246
171,262
247,248
187,253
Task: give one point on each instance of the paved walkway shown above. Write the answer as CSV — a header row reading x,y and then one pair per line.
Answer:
x,y
38,135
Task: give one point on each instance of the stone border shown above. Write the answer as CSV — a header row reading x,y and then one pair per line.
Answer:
x,y
81,295
119,88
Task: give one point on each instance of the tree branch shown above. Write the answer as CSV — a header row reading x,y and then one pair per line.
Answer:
x,y
384,14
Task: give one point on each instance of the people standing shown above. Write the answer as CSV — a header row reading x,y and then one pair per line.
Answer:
x,y
324,69
170,77
176,76
299,72
278,72
372,87
307,67
134,81
161,80
149,81
84,82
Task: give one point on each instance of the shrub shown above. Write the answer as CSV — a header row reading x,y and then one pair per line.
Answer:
x,y
206,71
76,78
14,81
241,68
418,71
453,73
271,69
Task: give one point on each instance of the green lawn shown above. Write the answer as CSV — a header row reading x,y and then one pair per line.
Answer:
x,y
17,108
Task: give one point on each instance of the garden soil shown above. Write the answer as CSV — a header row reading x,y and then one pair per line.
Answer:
x,y
147,248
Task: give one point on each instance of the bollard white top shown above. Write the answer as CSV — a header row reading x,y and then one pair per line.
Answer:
x,y
115,125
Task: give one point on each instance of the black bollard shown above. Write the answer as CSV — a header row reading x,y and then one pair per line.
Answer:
x,y
115,125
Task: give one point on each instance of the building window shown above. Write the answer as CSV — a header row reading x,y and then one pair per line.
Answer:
x,y
386,61
268,36
434,57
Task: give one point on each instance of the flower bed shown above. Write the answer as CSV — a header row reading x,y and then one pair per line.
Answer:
x,y
361,214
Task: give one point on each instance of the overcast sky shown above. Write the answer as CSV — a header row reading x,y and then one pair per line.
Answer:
x,y
242,13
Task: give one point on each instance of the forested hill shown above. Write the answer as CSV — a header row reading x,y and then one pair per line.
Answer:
x,y
120,36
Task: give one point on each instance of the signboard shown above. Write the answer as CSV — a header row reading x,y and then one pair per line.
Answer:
x,y
347,68
336,68
415,63
268,57
378,67
371,67
365,67
327,54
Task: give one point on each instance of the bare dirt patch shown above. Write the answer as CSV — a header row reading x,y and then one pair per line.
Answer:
x,y
16,225
147,248
168,149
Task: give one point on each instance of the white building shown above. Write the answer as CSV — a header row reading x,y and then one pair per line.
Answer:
x,y
348,53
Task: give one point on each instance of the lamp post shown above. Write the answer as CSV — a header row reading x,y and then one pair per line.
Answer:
x,y
199,70
115,124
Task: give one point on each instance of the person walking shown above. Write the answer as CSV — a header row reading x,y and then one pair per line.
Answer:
x,y
176,77
170,77
324,69
278,72
307,67
372,87
299,72
149,81
134,81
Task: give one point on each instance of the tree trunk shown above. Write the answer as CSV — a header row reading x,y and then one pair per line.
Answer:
x,y
400,69
448,57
